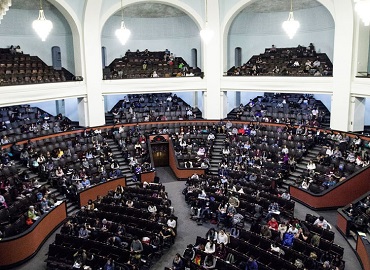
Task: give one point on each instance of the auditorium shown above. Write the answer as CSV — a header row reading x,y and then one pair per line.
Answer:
x,y
184,134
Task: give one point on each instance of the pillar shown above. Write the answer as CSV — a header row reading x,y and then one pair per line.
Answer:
x,y
60,107
211,53
342,70
360,48
357,114
237,98
92,49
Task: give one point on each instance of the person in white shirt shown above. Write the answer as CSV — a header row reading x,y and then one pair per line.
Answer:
x,y
211,137
171,222
329,151
222,237
210,247
152,208
305,184
311,166
322,223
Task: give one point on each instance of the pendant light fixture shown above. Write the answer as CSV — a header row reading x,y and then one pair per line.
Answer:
x,y
42,26
123,34
291,26
4,7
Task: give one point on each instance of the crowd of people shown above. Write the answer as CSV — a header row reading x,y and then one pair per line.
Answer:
x,y
301,61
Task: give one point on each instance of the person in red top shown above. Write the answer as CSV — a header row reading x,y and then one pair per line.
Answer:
x,y
273,224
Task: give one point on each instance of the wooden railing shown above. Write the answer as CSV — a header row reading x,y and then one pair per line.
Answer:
x,y
180,173
17,249
99,190
342,194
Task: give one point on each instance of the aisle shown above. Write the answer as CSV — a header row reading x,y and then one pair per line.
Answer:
x,y
187,230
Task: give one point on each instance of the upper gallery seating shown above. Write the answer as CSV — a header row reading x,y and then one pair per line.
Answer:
x,y
147,64
150,108
22,122
296,61
295,109
18,68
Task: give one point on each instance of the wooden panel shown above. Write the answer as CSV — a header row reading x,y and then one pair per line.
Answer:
x,y
342,223
363,251
100,189
337,196
180,173
23,246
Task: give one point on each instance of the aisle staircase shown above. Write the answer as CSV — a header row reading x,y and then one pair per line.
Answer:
x,y
216,154
295,178
124,167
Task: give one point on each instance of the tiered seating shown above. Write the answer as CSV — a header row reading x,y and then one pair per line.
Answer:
x,y
124,222
146,64
272,252
249,195
296,61
153,107
295,109
18,68
24,122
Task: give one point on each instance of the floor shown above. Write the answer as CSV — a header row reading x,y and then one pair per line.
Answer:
x,y
188,229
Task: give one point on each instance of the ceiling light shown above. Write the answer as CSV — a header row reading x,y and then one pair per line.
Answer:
x,y
362,7
291,26
123,34
42,26
4,7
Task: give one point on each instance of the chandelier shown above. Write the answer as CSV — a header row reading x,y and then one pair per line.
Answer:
x,y
206,34
4,7
362,7
123,34
42,26
291,26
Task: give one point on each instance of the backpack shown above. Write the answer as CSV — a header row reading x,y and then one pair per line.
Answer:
x,y
230,258
288,239
188,253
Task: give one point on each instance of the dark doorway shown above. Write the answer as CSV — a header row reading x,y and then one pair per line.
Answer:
x,y
160,154
56,57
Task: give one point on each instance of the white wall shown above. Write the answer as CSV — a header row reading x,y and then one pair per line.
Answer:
x,y
22,33
255,31
50,107
326,99
47,106
367,111
179,35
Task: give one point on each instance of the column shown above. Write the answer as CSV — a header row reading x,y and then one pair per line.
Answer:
x,y
342,70
357,114
211,54
360,48
93,65
237,98
60,107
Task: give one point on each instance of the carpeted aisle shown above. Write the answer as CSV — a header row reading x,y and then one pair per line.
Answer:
x,y
187,230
